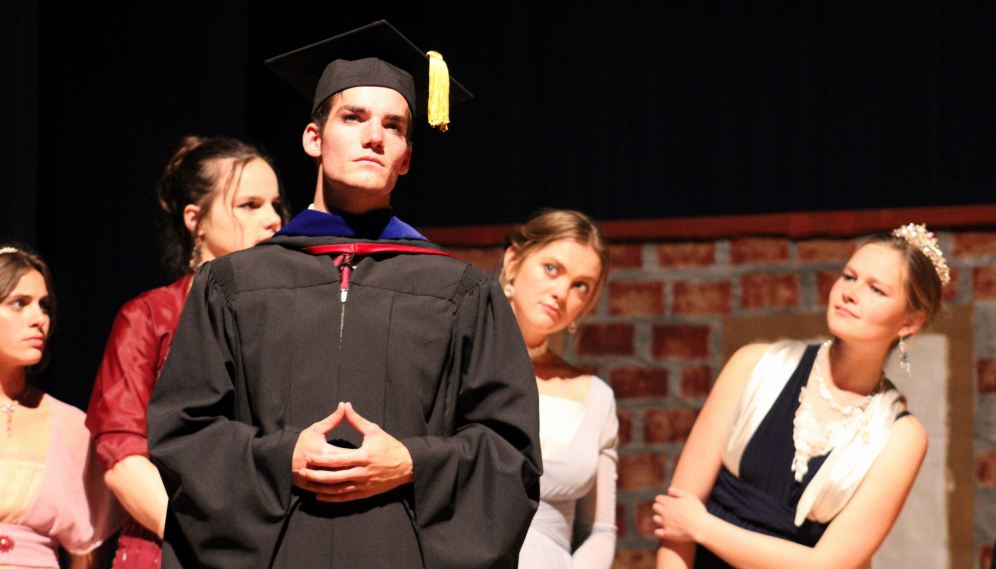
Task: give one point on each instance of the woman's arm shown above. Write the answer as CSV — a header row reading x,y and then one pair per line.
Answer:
x,y
702,456
116,415
136,483
850,540
595,520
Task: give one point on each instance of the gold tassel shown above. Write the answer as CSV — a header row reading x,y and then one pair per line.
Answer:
x,y
439,92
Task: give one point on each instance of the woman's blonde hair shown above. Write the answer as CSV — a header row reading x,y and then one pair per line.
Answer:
x,y
923,285
548,226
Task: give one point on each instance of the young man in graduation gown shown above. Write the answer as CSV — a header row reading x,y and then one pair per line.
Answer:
x,y
343,395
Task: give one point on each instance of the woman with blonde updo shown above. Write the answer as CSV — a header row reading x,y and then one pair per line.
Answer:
x,y
803,456
553,271
219,195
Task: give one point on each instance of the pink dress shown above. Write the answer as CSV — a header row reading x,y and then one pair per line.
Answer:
x,y
70,506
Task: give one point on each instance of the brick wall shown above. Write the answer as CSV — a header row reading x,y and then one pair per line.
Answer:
x,y
656,337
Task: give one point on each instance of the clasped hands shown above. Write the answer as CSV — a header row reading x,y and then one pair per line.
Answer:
x,y
337,474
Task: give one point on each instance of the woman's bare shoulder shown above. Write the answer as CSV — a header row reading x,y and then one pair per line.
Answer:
x,y
741,364
749,355
908,432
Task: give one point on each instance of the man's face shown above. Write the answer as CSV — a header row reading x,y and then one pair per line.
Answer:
x,y
363,147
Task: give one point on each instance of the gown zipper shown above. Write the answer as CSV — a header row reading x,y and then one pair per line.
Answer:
x,y
343,263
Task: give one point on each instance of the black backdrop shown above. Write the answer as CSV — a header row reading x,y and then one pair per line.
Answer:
x,y
621,109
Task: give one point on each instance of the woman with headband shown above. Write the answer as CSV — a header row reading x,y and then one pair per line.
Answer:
x,y
44,503
219,195
803,455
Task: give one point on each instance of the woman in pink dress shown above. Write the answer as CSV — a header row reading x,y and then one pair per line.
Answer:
x,y
219,195
45,503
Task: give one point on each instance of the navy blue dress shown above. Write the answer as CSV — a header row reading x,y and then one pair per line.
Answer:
x,y
765,496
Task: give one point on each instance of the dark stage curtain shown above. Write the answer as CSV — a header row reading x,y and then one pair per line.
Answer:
x,y
666,109
18,120
119,85
620,109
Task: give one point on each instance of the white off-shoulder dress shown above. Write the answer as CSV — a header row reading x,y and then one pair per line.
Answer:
x,y
574,526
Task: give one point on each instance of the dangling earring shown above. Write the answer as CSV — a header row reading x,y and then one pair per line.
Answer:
x,y
573,327
509,290
904,356
195,254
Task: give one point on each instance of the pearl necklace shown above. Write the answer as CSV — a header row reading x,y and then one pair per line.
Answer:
x,y
825,392
815,439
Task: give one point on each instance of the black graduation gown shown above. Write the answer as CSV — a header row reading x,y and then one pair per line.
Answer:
x,y
429,349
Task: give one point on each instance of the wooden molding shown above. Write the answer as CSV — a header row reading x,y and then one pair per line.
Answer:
x,y
801,225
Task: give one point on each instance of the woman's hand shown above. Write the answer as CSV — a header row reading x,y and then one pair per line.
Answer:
x,y
678,516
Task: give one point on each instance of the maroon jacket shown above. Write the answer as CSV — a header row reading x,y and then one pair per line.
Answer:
x,y
135,354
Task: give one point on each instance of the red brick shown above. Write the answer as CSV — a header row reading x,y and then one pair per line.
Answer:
x,y
636,298
950,290
668,425
985,469
817,250
985,557
696,382
620,521
684,255
626,256
645,519
487,259
635,559
606,340
769,291
639,383
758,250
974,244
642,472
987,376
681,342
625,427
691,299
824,282
984,283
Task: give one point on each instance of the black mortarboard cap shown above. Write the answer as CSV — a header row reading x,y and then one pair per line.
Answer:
x,y
374,55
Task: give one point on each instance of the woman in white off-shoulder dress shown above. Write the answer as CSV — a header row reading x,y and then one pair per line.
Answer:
x,y
553,271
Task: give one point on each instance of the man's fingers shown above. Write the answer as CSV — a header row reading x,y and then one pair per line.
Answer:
x,y
339,459
334,476
348,497
362,425
332,421
320,488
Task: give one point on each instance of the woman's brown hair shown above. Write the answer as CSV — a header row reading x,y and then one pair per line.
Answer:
x,y
14,264
193,178
923,285
548,226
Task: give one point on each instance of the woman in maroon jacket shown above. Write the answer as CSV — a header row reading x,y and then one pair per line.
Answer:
x,y
220,195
